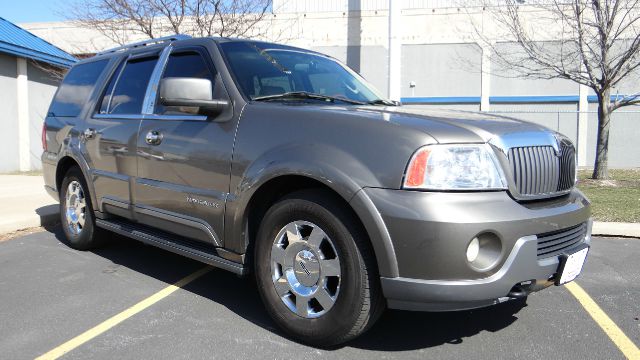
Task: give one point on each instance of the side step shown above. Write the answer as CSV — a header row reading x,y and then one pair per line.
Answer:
x,y
173,243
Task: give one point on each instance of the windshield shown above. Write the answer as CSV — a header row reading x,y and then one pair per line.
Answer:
x,y
267,70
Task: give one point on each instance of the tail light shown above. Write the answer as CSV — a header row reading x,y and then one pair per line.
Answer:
x,y
44,136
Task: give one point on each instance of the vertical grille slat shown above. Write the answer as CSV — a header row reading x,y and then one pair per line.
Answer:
x,y
528,167
538,171
546,162
534,169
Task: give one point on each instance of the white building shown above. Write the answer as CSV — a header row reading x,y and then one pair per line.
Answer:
x,y
25,93
441,64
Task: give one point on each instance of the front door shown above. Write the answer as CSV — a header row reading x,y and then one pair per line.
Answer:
x,y
111,133
184,158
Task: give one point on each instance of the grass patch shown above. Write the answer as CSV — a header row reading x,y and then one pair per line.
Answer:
x,y
616,199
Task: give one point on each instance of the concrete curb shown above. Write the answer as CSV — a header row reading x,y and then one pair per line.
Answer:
x,y
616,229
49,215
44,216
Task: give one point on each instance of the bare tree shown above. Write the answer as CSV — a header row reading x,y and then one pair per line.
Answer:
x,y
591,42
54,72
124,20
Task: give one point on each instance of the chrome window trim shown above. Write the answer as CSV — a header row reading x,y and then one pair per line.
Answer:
x,y
152,87
121,69
176,117
118,116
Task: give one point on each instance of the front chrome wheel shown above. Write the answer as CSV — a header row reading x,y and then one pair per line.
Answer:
x,y
305,269
75,207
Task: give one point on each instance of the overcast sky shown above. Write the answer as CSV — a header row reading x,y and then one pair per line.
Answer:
x,y
22,11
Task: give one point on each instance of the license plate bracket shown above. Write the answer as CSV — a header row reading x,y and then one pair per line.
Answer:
x,y
571,265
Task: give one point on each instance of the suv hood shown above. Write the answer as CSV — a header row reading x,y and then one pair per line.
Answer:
x,y
462,126
444,126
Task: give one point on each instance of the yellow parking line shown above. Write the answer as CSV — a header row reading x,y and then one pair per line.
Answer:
x,y
628,348
117,319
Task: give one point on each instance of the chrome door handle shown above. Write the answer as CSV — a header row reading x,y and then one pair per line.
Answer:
x,y
153,137
89,133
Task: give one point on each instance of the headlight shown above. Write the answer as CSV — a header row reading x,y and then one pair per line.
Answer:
x,y
454,167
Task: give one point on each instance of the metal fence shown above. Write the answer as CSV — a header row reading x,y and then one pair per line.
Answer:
x,y
624,136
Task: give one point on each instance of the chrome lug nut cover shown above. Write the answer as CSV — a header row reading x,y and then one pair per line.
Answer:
x,y
75,207
305,269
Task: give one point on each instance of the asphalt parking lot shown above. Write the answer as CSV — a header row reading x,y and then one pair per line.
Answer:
x,y
51,294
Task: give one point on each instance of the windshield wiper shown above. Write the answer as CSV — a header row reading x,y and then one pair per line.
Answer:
x,y
382,102
306,95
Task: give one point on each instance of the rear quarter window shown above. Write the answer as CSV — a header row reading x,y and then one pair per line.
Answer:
x,y
76,89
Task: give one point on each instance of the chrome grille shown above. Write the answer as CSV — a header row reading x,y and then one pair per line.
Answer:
x,y
556,242
537,171
567,167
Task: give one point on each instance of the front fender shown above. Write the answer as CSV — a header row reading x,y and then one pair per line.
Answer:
x,y
336,169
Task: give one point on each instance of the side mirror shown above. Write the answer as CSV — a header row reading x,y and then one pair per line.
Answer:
x,y
191,92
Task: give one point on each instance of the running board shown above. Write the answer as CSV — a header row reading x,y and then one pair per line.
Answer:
x,y
171,243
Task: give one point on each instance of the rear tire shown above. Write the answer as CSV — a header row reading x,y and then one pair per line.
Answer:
x,y
315,269
76,212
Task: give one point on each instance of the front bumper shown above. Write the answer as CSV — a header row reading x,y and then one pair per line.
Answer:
x,y
431,231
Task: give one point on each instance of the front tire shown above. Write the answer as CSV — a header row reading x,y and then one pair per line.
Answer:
x,y
76,212
315,270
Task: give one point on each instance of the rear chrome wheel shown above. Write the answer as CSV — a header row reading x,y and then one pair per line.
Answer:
x,y
76,212
75,207
305,269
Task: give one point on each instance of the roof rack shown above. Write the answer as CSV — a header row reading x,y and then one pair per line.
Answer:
x,y
146,43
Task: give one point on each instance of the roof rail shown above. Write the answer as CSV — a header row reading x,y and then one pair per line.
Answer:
x,y
146,43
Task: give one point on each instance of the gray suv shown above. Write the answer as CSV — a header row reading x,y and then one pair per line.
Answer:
x,y
282,162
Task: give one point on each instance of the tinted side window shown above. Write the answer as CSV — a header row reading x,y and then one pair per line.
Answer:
x,y
76,88
131,86
185,64
104,103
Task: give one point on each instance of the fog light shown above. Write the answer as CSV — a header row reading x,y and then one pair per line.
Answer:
x,y
484,251
473,250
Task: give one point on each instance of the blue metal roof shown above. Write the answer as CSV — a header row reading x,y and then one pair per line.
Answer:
x,y
19,42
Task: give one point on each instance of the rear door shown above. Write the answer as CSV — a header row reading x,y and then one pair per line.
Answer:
x,y
183,175
72,102
111,133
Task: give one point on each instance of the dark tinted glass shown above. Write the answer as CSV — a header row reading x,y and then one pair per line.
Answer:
x,y
186,64
104,103
76,88
130,89
189,64
268,69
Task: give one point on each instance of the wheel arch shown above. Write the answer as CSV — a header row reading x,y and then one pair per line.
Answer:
x,y
64,164
270,191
